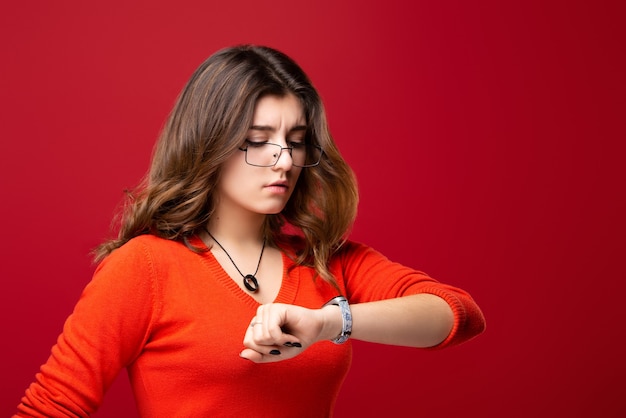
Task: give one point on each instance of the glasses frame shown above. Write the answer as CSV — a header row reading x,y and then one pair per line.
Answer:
x,y
290,150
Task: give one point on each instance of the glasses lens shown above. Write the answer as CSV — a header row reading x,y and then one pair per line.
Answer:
x,y
262,154
306,155
266,154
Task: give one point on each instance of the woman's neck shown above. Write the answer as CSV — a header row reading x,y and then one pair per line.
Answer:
x,y
240,229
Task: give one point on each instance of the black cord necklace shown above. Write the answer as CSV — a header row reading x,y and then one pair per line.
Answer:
x,y
249,280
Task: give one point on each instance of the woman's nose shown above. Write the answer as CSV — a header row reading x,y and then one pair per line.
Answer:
x,y
285,162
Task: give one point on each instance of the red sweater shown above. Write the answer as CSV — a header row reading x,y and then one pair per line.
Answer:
x,y
175,320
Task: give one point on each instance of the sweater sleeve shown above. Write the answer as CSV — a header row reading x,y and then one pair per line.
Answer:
x,y
106,331
369,276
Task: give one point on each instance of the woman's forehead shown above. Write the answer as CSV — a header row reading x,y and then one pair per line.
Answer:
x,y
273,113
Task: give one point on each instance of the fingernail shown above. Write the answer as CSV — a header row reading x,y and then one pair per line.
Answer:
x,y
296,345
288,344
275,352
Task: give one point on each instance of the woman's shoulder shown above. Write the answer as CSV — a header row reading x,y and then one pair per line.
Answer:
x,y
349,249
147,247
151,242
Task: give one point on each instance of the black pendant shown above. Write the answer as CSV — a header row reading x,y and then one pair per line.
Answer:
x,y
251,283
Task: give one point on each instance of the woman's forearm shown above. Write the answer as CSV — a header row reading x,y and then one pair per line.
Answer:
x,y
280,331
422,320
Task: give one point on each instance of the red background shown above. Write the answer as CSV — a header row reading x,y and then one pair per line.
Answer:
x,y
488,141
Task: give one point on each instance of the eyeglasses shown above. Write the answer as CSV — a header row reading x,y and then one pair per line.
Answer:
x,y
266,154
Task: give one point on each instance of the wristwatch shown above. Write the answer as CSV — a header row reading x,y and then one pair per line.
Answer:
x,y
346,317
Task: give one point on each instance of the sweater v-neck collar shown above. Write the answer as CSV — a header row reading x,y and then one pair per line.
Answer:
x,y
289,281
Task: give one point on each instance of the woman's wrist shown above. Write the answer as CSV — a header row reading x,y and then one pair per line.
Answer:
x,y
332,322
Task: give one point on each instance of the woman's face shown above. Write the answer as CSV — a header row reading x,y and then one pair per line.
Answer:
x,y
264,190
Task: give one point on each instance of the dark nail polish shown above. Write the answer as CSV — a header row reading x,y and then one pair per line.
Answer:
x,y
288,344
296,345
275,352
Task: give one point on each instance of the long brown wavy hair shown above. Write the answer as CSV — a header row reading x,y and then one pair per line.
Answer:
x,y
208,123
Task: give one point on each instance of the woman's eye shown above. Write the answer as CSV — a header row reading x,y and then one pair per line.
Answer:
x,y
296,144
255,144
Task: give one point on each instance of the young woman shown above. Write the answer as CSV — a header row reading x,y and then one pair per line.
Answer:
x,y
233,254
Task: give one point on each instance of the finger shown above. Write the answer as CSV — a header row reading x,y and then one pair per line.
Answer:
x,y
252,355
259,337
256,336
269,356
267,325
255,321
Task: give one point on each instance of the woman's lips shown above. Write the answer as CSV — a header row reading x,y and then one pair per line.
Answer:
x,y
278,187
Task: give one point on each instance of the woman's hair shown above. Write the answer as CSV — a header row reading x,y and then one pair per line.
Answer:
x,y
208,123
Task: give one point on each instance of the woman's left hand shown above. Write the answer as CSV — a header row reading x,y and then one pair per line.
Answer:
x,y
279,331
